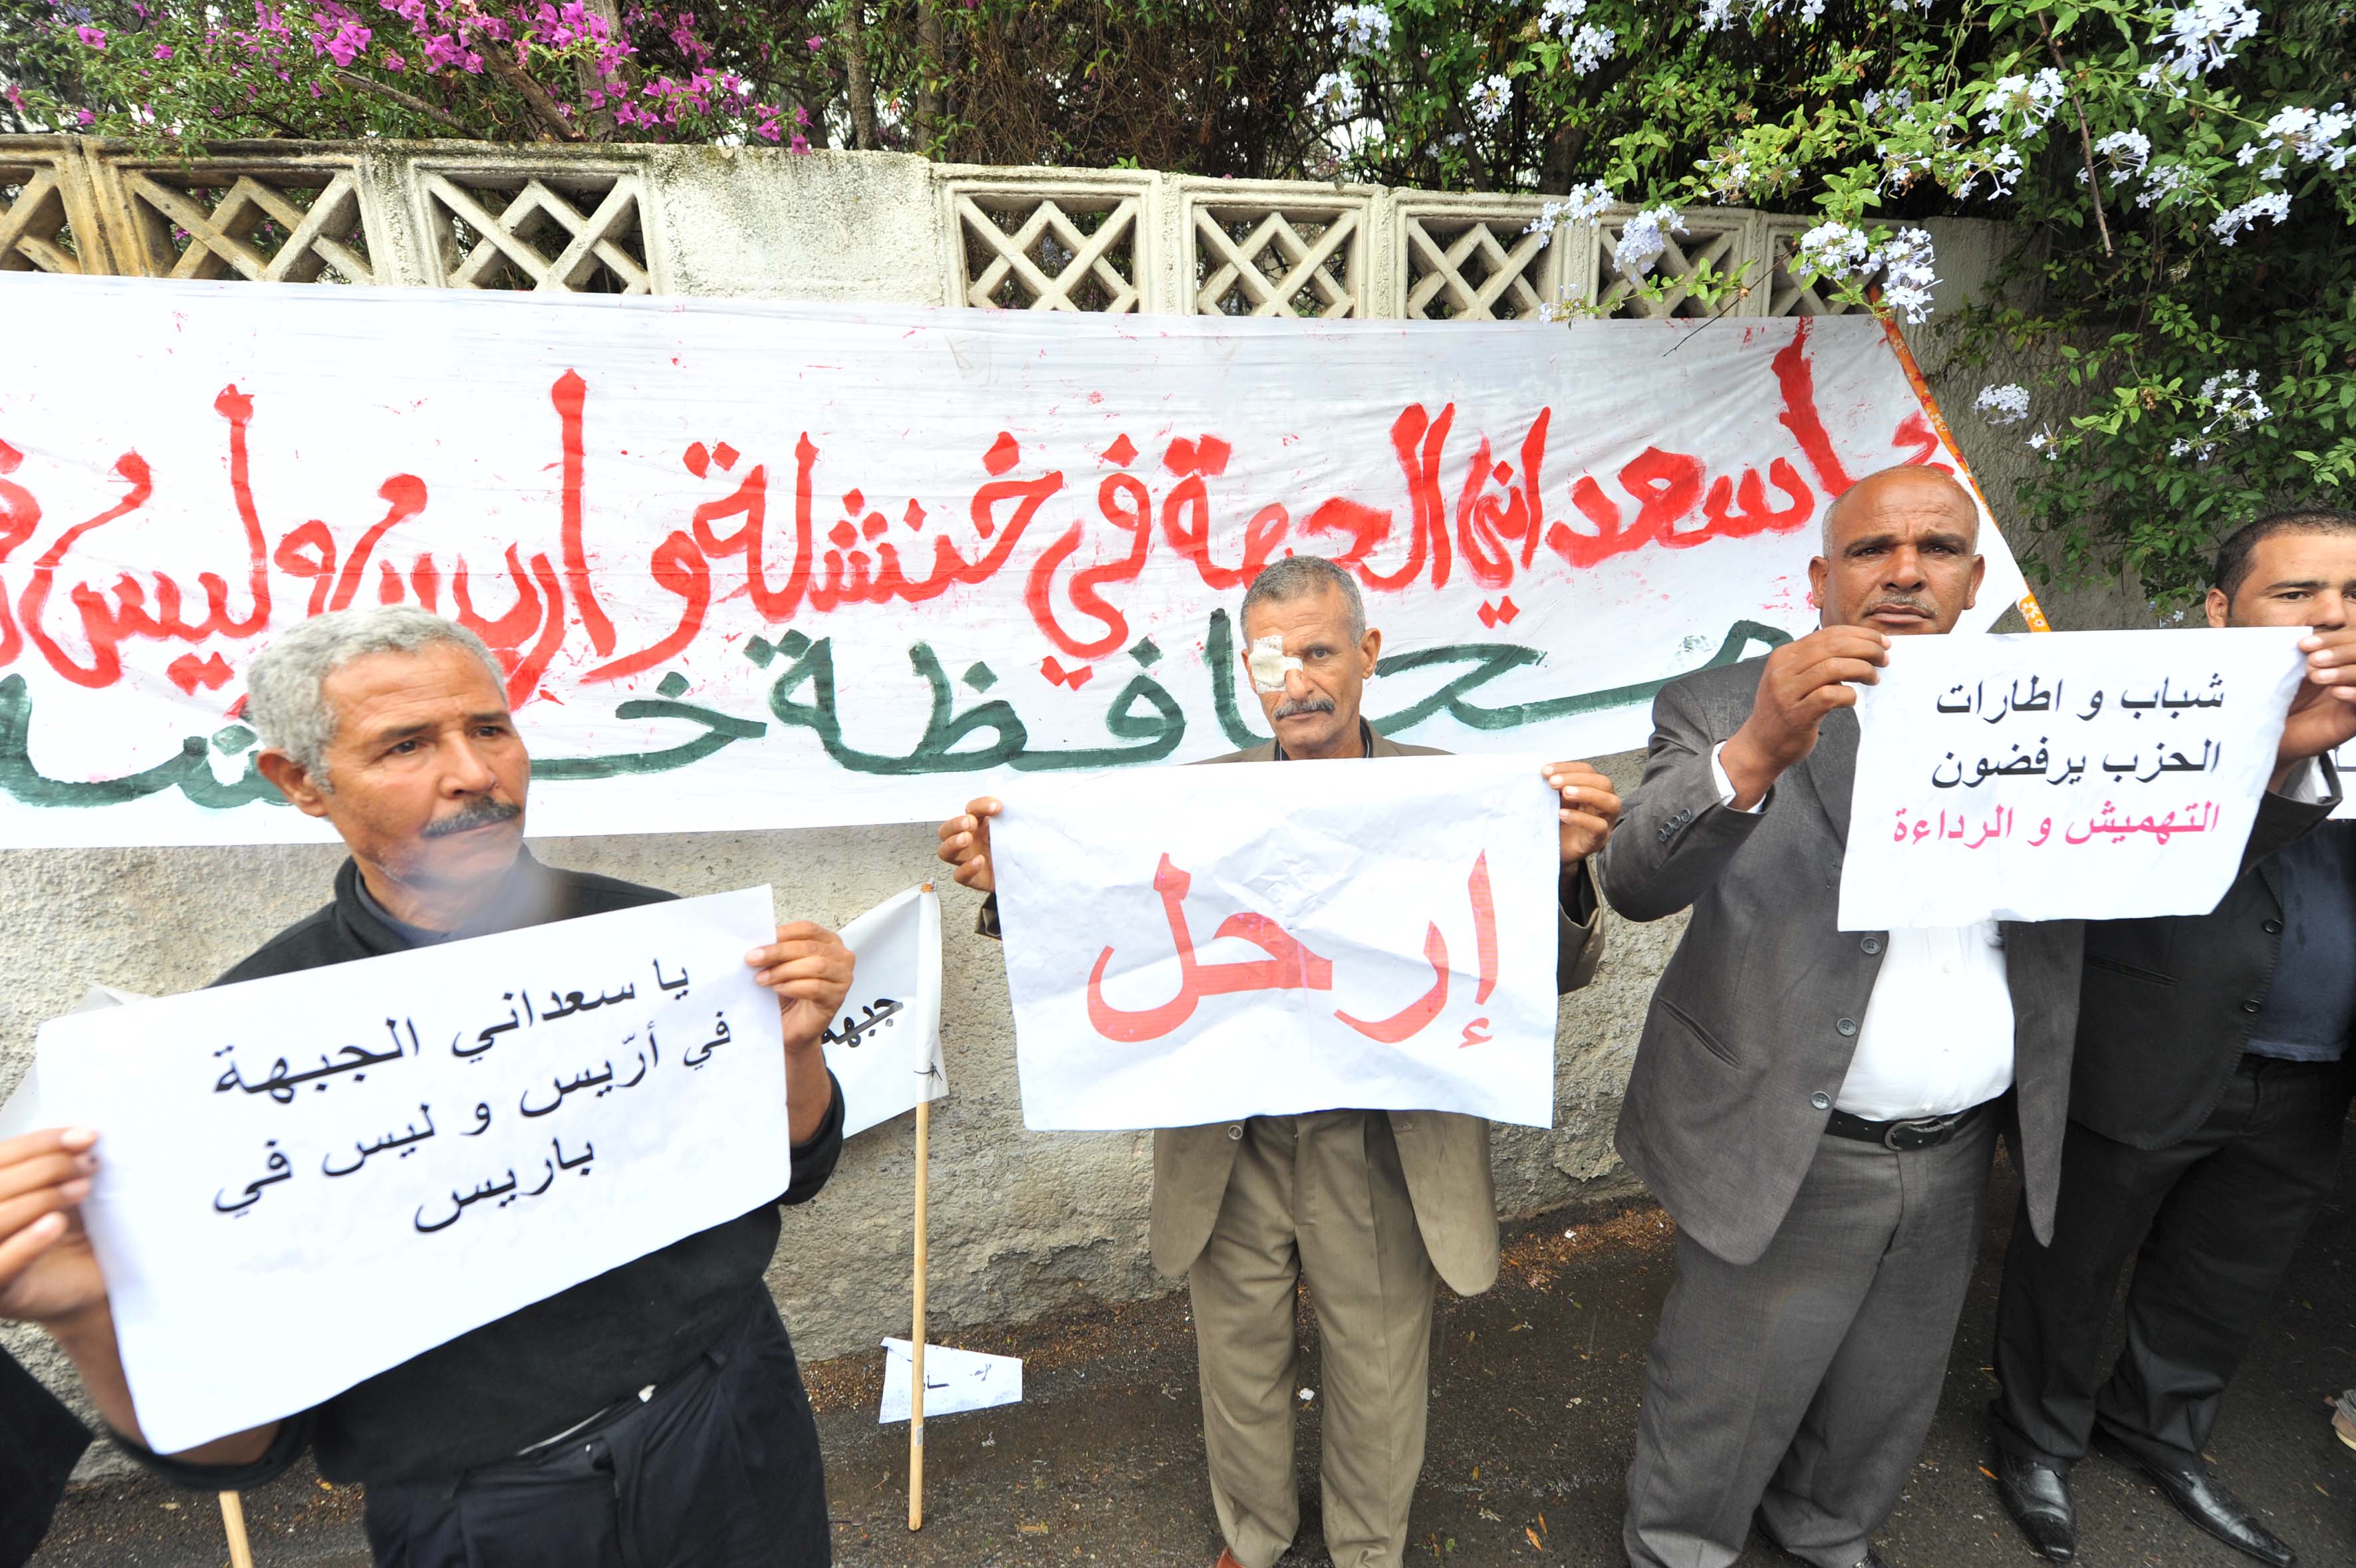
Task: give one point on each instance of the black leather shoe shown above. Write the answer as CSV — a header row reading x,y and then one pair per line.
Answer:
x,y
2211,1504
2038,1498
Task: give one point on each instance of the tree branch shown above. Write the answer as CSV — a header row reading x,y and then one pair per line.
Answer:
x,y
553,121
408,100
2085,135
861,85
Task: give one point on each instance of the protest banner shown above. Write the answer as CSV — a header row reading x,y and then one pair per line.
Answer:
x,y
2094,775
885,1048
1200,944
755,564
487,1122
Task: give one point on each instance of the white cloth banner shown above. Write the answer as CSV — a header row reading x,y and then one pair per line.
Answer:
x,y
758,564
885,1049
2094,775
310,1179
955,1380
1192,945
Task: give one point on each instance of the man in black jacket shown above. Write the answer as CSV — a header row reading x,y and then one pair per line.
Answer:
x,y
2211,1084
653,1414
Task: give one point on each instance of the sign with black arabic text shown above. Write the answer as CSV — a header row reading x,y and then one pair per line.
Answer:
x,y
2094,775
418,1143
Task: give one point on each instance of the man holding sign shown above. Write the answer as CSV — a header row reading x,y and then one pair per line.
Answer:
x,y
1817,1110
2208,1101
1370,1205
619,1419
1818,1107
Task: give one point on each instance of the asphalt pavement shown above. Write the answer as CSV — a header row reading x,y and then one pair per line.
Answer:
x,y
1534,1387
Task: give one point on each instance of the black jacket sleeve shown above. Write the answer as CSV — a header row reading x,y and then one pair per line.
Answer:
x,y
293,1435
814,1161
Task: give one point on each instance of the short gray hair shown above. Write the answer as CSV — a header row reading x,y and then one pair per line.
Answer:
x,y
1298,577
285,696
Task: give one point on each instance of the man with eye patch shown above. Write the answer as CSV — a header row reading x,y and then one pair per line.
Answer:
x,y
1371,1206
2208,1101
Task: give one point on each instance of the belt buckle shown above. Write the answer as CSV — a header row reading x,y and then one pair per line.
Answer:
x,y
1922,1126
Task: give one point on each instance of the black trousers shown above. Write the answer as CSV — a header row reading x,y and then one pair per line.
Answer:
x,y
39,1442
720,1469
2213,1224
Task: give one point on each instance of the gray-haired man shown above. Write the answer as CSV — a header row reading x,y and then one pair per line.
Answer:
x,y
1371,1206
669,1381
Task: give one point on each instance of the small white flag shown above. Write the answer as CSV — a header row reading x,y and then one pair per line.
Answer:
x,y
885,1048
954,1380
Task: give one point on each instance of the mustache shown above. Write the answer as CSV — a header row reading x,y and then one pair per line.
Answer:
x,y
1290,708
482,813
1903,601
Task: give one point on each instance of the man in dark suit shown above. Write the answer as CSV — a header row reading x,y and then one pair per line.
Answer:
x,y
1817,1109
2211,1085
1372,1206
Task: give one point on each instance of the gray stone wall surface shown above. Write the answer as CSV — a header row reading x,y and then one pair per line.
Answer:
x,y
1023,1223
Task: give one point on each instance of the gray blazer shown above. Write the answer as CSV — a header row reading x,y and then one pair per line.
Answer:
x,y
1444,1156
1755,1020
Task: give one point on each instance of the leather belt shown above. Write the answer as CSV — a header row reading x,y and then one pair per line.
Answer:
x,y
1907,1135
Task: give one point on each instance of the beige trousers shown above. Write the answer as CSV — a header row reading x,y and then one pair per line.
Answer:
x,y
1320,1195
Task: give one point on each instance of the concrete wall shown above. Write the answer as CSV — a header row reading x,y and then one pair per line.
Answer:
x,y
1023,1223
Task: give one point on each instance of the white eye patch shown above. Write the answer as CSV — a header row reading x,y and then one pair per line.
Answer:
x,y
1268,663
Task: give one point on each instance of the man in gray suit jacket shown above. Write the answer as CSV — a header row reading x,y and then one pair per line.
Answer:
x,y
1371,1206
1817,1109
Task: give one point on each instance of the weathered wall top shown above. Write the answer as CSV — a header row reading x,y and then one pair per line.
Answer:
x,y
851,226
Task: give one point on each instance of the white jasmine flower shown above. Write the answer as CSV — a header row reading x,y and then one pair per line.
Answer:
x,y
2000,405
1490,98
2201,38
1559,17
1361,30
2129,152
1337,94
1590,48
1644,237
1833,249
2229,224
1584,204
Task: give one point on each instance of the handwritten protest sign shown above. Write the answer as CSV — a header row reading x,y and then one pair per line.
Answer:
x,y
754,563
885,1048
2075,775
1192,945
422,1143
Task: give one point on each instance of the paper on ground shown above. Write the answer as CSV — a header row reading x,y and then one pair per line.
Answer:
x,y
885,1048
311,1178
1182,944
2094,775
954,1380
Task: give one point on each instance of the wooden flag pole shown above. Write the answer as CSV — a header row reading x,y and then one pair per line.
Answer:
x,y
916,1341
241,1550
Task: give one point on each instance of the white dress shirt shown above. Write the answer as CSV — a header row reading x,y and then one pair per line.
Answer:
x,y
1936,1037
